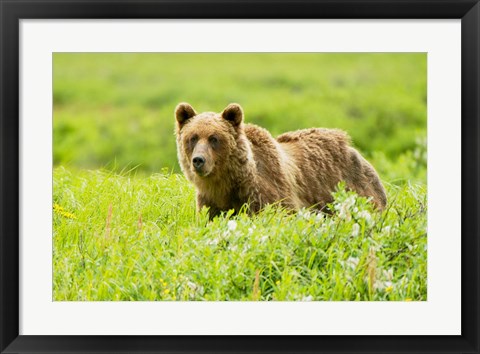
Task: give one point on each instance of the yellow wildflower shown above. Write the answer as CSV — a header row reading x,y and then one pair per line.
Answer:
x,y
61,211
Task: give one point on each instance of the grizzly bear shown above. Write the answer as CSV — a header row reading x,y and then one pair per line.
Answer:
x,y
232,163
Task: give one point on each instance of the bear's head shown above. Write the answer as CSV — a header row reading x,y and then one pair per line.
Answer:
x,y
206,141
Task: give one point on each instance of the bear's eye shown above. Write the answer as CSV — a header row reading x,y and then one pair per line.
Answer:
x,y
213,140
193,139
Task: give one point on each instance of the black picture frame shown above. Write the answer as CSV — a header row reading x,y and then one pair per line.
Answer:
x,y
12,11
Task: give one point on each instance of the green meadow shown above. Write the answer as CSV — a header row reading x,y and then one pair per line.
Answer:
x,y
124,219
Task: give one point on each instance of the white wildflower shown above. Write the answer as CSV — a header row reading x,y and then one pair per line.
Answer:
x,y
213,242
344,213
192,285
232,225
304,213
387,286
355,230
378,285
350,201
388,274
319,217
345,208
263,239
352,262
307,298
365,215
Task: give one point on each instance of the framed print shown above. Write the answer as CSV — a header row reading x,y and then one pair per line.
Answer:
x,y
239,177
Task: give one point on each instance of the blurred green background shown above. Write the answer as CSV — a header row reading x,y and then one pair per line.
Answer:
x,y
115,110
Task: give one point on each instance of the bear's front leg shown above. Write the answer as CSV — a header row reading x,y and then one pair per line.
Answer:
x,y
253,203
249,194
212,209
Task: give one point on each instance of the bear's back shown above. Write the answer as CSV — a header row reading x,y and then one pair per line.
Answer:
x,y
330,137
276,172
264,148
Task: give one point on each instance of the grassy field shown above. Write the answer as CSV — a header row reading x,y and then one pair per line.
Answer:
x,y
130,238
125,225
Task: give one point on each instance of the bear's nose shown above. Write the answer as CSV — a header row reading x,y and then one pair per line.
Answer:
x,y
198,162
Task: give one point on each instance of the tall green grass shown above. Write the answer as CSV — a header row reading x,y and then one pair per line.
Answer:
x,y
125,237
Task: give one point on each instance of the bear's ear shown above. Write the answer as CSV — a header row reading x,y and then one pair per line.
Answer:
x,y
233,113
184,112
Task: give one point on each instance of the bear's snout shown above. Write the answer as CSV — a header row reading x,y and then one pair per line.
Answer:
x,y
198,162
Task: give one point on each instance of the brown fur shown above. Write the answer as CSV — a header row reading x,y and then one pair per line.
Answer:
x,y
243,163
